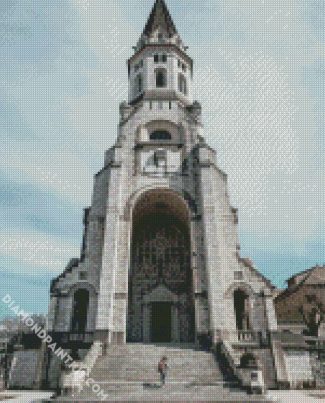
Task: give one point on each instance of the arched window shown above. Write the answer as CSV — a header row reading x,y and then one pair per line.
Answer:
x,y
161,78
241,305
160,135
138,84
182,84
80,311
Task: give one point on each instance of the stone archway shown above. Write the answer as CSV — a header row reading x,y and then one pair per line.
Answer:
x,y
160,260
80,310
241,306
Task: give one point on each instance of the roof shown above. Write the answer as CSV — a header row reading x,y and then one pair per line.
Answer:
x,y
307,272
72,263
160,17
288,340
313,276
249,264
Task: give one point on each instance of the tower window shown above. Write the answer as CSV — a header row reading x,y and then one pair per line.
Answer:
x,y
82,275
156,58
160,135
160,158
164,58
161,78
138,84
182,84
138,65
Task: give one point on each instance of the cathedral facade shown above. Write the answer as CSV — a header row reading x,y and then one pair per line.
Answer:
x,y
160,260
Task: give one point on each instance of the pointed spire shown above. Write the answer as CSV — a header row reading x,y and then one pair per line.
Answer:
x,y
160,18
160,29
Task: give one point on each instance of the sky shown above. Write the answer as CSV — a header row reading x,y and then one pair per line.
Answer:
x,y
259,75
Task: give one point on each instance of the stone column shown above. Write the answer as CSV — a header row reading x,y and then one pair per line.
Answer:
x,y
106,301
51,321
146,319
270,315
64,313
215,248
175,324
197,273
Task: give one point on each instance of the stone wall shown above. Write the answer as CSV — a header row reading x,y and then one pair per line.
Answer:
x,y
24,370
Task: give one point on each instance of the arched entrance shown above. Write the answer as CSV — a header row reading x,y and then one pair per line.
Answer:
x,y
241,305
161,307
80,311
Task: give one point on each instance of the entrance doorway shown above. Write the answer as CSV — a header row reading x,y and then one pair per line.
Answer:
x,y
80,311
161,322
160,257
241,304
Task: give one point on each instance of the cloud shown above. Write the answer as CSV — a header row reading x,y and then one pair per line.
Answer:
x,y
23,205
34,253
264,116
259,67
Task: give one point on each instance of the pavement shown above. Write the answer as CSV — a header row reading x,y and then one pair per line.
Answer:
x,y
289,396
297,396
13,396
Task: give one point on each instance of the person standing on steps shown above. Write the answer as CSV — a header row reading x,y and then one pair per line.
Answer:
x,y
162,369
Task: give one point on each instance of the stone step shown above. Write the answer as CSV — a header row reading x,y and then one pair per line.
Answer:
x,y
150,378
177,353
171,392
149,357
171,374
140,353
154,371
129,373
109,366
152,375
138,362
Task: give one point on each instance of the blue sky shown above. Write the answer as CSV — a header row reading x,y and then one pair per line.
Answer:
x,y
259,74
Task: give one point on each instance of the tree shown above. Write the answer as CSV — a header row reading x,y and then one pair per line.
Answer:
x,y
313,314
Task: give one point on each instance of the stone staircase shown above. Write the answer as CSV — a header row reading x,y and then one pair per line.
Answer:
x,y
138,363
266,359
129,373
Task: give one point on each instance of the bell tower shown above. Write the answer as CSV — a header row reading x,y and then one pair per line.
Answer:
x,y
160,237
160,68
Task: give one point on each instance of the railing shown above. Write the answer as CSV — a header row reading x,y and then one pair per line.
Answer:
x,y
83,337
94,353
315,342
73,380
75,377
244,336
230,356
65,337
244,375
